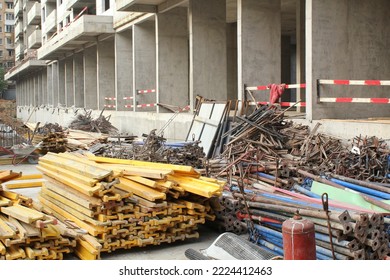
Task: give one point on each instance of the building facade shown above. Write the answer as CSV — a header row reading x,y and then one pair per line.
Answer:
x,y
127,56
7,26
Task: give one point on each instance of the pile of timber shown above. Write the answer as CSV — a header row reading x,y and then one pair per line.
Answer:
x,y
51,138
29,234
78,139
126,203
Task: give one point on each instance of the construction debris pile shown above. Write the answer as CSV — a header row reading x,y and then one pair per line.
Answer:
x,y
126,203
101,124
276,168
51,138
153,148
27,233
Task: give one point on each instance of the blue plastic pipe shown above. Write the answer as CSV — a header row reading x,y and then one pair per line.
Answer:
x,y
305,191
358,188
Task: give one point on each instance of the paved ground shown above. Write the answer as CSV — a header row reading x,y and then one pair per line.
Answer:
x,y
174,251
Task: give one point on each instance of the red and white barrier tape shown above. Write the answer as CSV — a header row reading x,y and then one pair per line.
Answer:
x,y
128,98
354,100
110,106
282,104
142,105
267,87
110,98
143,91
355,82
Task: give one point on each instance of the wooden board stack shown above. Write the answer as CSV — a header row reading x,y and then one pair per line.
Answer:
x,y
125,203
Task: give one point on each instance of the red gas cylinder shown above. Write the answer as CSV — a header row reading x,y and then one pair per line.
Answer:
x,y
299,239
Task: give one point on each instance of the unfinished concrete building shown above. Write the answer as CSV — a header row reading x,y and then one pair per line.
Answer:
x,y
127,56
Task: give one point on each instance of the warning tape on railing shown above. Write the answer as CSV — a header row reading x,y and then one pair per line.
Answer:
x,y
268,87
282,104
354,100
128,98
142,105
110,98
373,100
355,82
144,91
109,106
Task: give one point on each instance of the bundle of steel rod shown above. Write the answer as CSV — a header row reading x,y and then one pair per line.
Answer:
x,y
126,203
265,141
28,234
356,233
86,122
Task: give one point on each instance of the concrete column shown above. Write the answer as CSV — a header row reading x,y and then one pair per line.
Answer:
x,y
90,78
173,55
61,83
106,71
259,44
286,67
36,90
123,69
231,44
144,44
208,66
55,83
300,53
353,47
44,87
49,71
69,89
31,91
39,87
78,79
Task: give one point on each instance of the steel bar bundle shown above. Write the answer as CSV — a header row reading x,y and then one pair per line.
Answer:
x,y
126,203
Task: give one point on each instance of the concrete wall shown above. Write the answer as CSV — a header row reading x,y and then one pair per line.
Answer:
x,y
145,62
61,83
208,66
348,40
231,62
173,55
78,79
69,89
259,47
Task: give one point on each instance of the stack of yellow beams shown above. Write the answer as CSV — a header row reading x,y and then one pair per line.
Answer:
x,y
26,233
125,204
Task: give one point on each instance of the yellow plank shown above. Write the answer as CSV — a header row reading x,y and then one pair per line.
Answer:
x,y
10,195
23,184
30,176
6,231
22,213
74,175
152,173
87,190
140,190
174,167
144,181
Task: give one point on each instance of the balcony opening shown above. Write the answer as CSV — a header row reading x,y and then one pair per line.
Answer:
x,y
106,5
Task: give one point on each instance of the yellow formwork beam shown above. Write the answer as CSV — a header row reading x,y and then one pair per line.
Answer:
x,y
2,248
30,176
75,166
176,168
199,187
144,181
68,202
23,184
93,230
87,190
127,170
72,194
140,190
77,177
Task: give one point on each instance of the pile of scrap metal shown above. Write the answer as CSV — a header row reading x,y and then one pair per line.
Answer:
x,y
275,168
86,122
154,148
126,203
27,233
